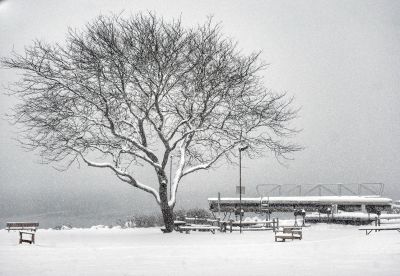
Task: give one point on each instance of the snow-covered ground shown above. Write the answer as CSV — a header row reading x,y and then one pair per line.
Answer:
x,y
324,250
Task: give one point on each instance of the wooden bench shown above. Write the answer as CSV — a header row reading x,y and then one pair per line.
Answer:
x,y
201,228
368,230
25,229
291,233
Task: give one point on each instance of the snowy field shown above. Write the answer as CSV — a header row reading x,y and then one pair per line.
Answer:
x,y
324,250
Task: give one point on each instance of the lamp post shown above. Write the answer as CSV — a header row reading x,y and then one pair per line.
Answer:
x,y
240,186
170,177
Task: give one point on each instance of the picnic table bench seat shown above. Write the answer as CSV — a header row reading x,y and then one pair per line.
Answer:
x,y
204,228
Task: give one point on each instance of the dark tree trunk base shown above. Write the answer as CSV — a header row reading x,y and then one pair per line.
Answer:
x,y
168,219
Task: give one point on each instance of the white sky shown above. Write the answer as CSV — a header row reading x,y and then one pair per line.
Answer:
x,y
340,59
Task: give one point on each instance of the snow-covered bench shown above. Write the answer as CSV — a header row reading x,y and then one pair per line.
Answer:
x,y
368,230
23,228
204,228
291,233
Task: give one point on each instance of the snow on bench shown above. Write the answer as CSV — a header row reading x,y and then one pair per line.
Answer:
x,y
368,230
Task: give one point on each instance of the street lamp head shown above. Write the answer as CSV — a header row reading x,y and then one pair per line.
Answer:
x,y
243,148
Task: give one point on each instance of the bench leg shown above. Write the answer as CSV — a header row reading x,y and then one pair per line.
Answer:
x,y
30,241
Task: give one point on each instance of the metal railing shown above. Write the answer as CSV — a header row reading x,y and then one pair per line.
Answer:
x,y
338,189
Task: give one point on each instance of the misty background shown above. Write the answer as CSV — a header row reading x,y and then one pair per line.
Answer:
x,y
339,59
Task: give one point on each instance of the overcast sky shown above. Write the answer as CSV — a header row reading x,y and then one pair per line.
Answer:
x,y
340,59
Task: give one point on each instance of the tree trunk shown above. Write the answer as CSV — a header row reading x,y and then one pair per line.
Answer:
x,y
168,218
166,210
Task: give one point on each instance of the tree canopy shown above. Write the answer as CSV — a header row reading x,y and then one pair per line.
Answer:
x,y
123,92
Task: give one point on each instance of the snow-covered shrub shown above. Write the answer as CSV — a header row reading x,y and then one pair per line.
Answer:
x,y
62,227
195,212
100,226
145,221
141,221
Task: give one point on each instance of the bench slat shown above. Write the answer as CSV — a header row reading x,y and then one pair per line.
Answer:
x,y
22,224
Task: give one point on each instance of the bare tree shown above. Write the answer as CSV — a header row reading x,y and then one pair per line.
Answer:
x,y
128,92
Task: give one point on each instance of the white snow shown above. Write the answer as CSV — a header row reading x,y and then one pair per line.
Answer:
x,y
325,250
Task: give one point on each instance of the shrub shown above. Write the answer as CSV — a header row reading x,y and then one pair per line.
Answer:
x,y
194,212
142,221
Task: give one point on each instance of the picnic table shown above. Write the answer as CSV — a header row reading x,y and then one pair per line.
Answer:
x,y
191,224
178,223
